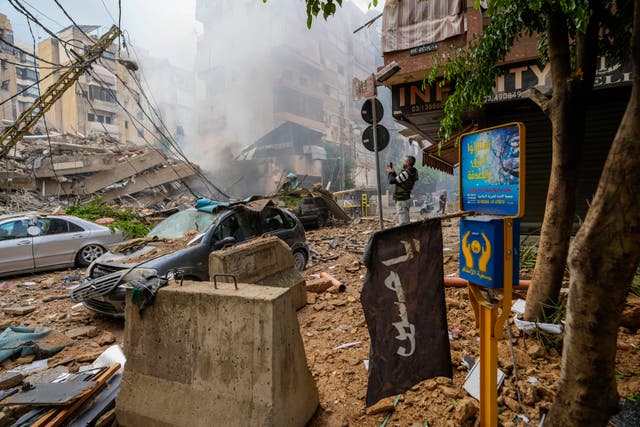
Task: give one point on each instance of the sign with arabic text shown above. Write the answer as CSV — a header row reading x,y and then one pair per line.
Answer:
x,y
403,302
492,170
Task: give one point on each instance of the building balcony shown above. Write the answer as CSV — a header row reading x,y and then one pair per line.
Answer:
x,y
97,127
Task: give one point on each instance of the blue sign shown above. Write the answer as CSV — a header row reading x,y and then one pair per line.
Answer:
x,y
482,254
492,170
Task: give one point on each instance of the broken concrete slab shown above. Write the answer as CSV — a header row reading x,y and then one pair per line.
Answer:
x,y
231,357
126,167
19,310
83,331
152,179
267,261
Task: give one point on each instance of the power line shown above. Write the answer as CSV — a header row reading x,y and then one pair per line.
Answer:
x,y
27,88
44,119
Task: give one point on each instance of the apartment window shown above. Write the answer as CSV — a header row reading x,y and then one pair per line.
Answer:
x,y
91,117
5,85
179,131
139,115
101,94
4,64
126,124
107,119
341,70
141,133
100,118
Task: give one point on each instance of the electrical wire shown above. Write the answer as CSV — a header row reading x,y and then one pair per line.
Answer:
x,y
133,121
95,112
27,88
172,141
44,121
27,53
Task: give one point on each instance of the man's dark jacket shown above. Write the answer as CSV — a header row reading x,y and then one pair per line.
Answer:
x,y
404,182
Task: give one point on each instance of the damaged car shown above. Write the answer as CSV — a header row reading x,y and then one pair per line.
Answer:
x,y
32,242
179,247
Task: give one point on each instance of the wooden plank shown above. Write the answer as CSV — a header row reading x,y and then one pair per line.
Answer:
x,y
125,168
55,417
151,179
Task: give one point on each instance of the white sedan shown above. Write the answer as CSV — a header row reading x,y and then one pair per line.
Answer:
x,y
31,242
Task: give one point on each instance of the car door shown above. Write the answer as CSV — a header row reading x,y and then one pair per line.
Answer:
x,y
275,223
57,243
16,246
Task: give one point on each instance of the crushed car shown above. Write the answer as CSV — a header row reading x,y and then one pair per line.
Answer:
x,y
31,242
180,246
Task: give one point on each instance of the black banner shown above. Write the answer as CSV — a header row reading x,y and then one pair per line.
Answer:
x,y
403,301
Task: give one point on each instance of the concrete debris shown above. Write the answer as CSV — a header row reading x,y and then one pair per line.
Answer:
x,y
38,174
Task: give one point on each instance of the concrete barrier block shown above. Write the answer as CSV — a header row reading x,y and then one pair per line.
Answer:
x,y
201,356
267,261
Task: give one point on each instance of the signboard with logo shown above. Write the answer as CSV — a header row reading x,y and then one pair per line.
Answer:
x,y
482,251
419,97
491,168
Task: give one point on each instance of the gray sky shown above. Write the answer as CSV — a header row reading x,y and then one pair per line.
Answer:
x,y
166,28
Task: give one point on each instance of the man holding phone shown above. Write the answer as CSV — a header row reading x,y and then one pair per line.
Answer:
x,y
404,182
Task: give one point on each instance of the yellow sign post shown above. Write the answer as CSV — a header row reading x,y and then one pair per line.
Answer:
x,y
491,183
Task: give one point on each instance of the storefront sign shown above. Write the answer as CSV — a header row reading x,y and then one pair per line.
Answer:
x,y
423,49
419,97
517,79
492,170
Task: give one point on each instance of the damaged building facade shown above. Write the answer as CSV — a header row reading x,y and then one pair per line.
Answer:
x,y
18,73
97,139
283,89
414,33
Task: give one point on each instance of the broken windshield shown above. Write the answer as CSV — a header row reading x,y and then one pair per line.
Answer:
x,y
180,224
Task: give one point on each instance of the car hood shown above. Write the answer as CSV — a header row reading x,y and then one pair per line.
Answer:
x,y
140,254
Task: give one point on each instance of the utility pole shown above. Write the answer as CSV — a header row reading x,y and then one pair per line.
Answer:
x,y
14,133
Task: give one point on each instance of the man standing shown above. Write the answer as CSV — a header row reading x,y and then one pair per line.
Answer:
x,y
443,202
404,182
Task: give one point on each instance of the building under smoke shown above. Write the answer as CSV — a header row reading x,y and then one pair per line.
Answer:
x,y
260,68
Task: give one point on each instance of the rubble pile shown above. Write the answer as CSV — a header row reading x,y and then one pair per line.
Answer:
x,y
38,172
336,341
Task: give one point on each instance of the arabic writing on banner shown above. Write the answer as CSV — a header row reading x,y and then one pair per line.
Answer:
x,y
491,163
403,302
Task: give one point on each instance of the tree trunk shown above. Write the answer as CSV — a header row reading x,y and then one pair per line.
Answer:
x,y
567,114
603,259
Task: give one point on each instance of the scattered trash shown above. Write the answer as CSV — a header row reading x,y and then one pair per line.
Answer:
x,y
467,361
533,380
520,419
77,306
333,244
347,345
22,341
337,286
530,327
29,283
110,356
519,307
7,284
472,380
38,365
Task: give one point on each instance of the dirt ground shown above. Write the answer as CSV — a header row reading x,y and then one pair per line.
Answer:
x,y
331,320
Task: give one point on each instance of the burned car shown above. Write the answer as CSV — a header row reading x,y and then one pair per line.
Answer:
x,y
180,245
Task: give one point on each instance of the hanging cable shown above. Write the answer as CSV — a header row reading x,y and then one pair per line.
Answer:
x,y
44,121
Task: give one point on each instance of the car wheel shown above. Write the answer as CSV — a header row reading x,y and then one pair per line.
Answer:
x,y
300,259
88,254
